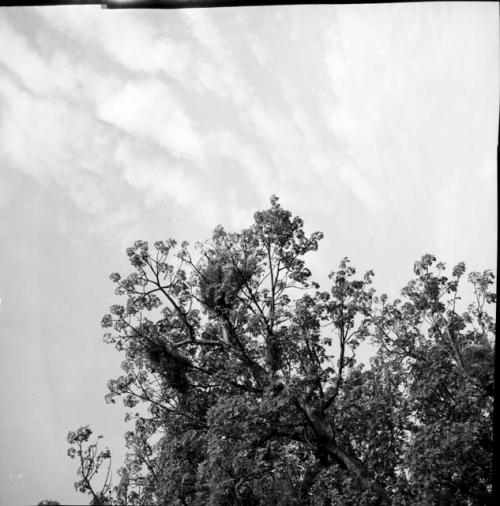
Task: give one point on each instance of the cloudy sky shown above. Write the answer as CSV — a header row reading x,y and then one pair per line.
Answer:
x,y
376,123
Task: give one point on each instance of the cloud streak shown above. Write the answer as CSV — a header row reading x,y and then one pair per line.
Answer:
x,y
149,110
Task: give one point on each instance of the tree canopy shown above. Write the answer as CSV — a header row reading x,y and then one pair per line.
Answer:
x,y
244,386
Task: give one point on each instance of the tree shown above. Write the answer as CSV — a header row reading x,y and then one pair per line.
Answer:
x,y
254,394
90,461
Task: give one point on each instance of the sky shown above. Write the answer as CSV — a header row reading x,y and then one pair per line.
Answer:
x,y
377,124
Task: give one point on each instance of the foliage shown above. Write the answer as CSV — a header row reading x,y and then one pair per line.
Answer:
x,y
90,460
253,394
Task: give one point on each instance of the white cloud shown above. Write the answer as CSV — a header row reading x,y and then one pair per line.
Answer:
x,y
365,117
283,141
134,41
60,74
6,190
47,130
410,85
124,224
48,137
150,110
220,70
20,59
361,187
148,50
168,184
248,157
155,175
34,132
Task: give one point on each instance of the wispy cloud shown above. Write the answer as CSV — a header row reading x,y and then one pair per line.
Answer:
x,y
408,98
150,110
329,100
138,43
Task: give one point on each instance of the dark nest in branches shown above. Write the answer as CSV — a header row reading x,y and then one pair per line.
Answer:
x,y
220,284
170,364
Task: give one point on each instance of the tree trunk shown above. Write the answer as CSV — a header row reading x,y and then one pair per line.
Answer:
x,y
325,438
308,481
353,465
